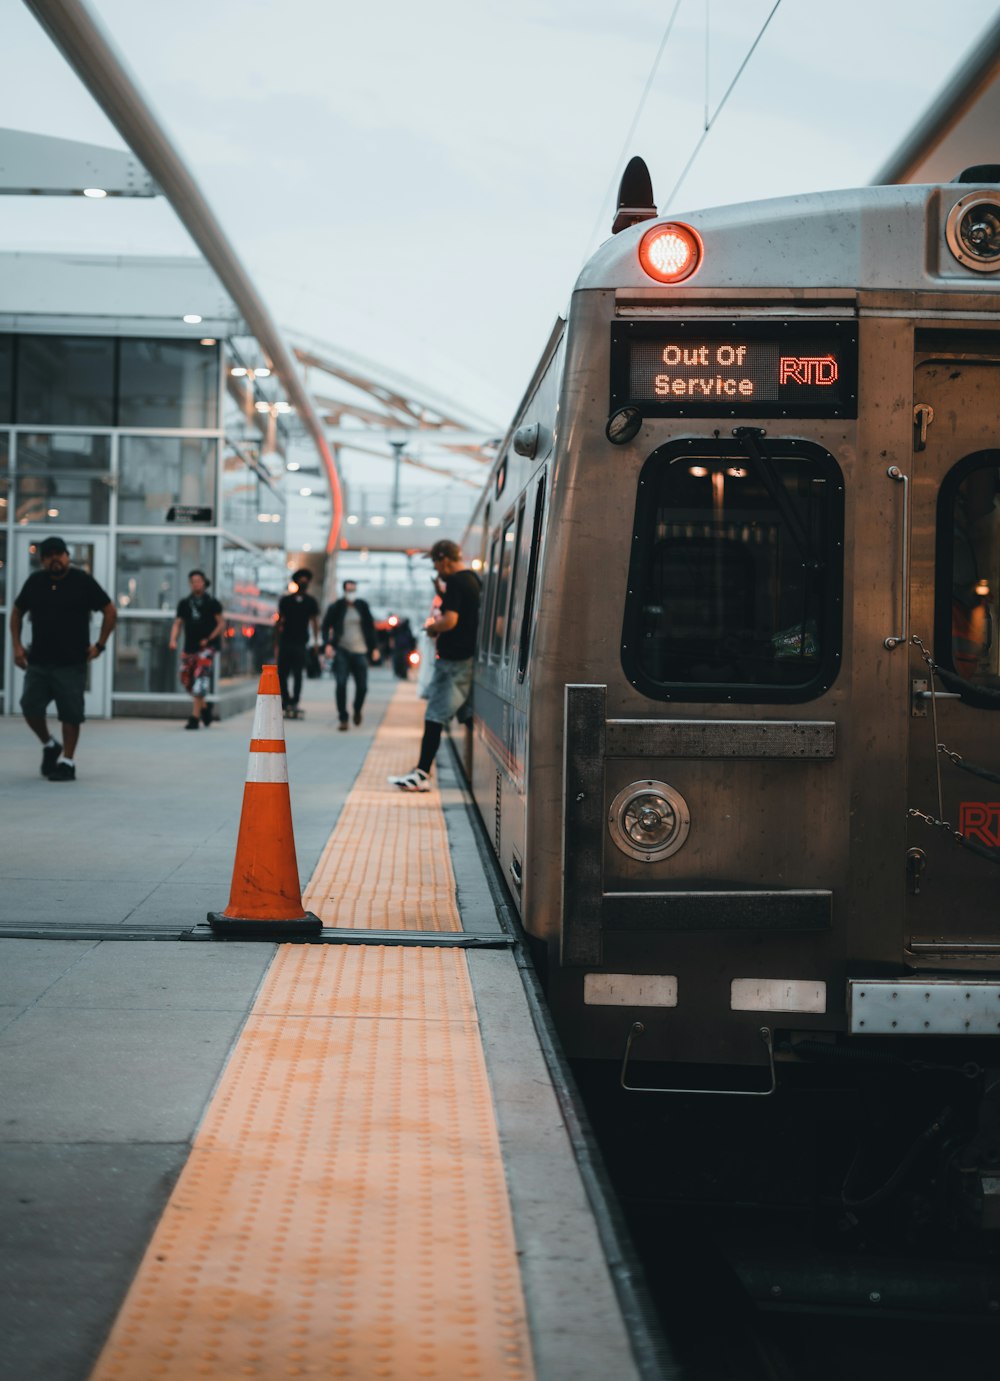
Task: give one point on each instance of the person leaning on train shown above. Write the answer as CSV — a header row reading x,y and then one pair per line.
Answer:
x,y
454,626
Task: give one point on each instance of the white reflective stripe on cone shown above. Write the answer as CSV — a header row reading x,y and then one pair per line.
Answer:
x,y
267,767
268,720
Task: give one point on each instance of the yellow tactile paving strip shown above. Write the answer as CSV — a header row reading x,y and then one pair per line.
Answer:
x,y
344,1210
387,865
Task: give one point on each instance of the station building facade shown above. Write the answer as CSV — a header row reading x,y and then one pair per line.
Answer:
x,y
153,446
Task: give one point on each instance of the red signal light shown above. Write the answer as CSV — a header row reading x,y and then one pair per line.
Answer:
x,y
670,253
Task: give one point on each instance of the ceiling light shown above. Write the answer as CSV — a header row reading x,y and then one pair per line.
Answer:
x,y
293,465
95,192
405,522
307,546
352,518
53,512
432,522
208,340
238,371
377,521
262,407
305,493
191,319
261,373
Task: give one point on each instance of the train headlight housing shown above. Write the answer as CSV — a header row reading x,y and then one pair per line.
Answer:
x,y
670,253
649,820
973,232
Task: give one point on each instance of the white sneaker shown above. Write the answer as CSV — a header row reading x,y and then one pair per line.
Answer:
x,y
413,781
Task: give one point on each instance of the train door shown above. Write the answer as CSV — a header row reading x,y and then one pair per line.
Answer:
x,y
89,552
954,740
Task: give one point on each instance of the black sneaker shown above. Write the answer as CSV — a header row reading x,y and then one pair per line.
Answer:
x,y
63,772
192,722
207,716
357,716
50,756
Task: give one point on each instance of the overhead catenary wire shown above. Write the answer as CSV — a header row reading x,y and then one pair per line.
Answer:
x,y
710,122
627,141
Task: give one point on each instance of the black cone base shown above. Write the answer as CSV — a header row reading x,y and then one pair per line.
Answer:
x,y
245,928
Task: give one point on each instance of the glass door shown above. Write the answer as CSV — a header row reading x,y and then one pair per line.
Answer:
x,y
954,757
90,552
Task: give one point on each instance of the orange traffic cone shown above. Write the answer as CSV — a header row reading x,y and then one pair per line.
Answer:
x,y
265,900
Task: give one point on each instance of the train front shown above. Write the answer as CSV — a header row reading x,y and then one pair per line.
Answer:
x,y
766,749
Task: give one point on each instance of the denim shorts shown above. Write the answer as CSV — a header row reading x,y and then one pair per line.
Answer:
x,y
64,685
449,689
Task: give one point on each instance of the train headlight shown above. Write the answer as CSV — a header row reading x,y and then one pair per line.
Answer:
x,y
973,232
670,253
649,820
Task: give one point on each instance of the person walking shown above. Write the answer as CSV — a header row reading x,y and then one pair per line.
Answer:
x,y
200,618
60,599
454,627
297,611
350,638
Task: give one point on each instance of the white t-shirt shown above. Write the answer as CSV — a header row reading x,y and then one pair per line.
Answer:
x,y
352,639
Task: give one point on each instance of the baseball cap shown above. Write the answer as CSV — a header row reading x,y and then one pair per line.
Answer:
x,y
444,551
52,546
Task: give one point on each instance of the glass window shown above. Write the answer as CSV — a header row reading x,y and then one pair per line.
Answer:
x,y
250,584
168,383
158,473
514,592
524,643
6,378
38,453
735,587
488,598
67,381
62,479
246,491
503,589
245,649
968,570
151,570
4,498
144,663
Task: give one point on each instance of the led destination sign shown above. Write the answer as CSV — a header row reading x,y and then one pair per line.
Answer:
x,y
728,369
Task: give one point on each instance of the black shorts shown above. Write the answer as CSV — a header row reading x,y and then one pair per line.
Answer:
x,y
64,685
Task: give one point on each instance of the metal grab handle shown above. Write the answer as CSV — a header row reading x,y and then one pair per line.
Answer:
x,y
637,1029
895,473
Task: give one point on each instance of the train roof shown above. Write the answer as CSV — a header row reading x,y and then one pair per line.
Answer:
x,y
868,238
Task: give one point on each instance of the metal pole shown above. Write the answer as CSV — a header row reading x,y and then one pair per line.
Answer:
x,y
90,53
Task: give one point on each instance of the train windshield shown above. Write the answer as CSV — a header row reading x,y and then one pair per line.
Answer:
x,y
735,589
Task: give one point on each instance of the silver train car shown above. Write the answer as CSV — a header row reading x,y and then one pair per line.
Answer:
x,y
735,737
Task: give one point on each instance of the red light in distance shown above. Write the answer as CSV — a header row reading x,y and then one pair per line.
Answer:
x,y
670,253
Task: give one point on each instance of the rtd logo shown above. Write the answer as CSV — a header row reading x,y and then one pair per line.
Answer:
x,y
808,369
980,820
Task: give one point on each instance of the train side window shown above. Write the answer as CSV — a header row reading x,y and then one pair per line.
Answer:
x,y
488,599
527,618
506,556
735,586
967,592
514,591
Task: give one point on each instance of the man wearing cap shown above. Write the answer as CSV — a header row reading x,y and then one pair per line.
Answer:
x,y
454,626
297,611
60,599
201,620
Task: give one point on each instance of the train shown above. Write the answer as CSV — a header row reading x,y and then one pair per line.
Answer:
x,y
734,735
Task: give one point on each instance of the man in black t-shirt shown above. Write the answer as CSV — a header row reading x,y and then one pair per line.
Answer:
x,y
200,617
296,611
454,626
60,599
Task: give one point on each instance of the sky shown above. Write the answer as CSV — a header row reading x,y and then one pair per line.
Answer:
x,y
421,183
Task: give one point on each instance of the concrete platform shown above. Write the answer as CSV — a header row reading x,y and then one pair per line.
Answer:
x,y
110,1049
